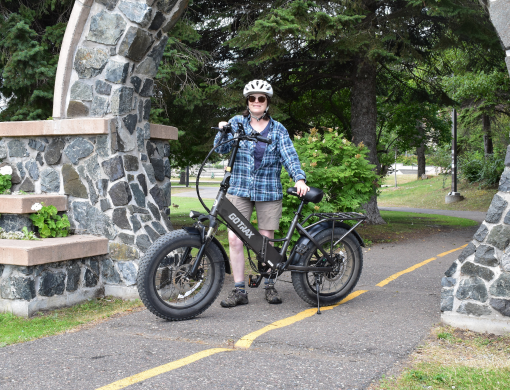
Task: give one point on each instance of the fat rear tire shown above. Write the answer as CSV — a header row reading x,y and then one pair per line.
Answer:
x,y
161,285
338,284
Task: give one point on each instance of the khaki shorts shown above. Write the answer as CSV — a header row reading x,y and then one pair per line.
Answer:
x,y
268,213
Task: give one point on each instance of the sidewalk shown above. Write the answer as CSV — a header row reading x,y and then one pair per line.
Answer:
x,y
478,216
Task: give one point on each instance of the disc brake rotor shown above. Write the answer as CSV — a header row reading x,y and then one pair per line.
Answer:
x,y
338,267
184,285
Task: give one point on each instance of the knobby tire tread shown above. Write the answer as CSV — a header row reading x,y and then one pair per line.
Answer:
x,y
300,286
145,266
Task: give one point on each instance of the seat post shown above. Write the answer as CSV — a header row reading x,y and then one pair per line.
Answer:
x,y
300,207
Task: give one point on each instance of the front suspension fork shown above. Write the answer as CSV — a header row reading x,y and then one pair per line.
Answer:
x,y
192,273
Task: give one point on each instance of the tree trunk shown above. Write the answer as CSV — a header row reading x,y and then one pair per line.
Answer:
x,y
420,152
487,136
364,123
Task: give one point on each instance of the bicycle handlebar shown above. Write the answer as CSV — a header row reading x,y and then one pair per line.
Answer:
x,y
263,139
249,137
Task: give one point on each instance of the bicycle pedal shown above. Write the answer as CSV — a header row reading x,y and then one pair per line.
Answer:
x,y
254,280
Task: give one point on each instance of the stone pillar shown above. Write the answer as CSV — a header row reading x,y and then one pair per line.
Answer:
x,y
114,62
476,288
117,179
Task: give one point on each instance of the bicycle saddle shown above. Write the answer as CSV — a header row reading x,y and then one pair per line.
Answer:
x,y
314,195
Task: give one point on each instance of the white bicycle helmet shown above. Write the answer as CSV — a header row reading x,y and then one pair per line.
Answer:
x,y
258,86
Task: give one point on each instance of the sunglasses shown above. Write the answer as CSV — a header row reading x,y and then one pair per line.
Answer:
x,y
253,99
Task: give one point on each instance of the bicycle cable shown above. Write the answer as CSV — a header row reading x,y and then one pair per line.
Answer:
x,y
200,172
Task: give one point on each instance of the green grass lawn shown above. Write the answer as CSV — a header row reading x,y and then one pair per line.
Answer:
x,y
455,359
18,329
400,225
430,194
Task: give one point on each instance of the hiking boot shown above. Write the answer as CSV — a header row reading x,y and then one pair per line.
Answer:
x,y
236,297
272,295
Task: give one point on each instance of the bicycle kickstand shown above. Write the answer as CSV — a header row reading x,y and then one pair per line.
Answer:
x,y
318,282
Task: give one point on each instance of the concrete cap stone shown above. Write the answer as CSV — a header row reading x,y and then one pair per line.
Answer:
x,y
163,132
22,204
51,250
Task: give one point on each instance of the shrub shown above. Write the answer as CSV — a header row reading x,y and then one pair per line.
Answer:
x,y
407,160
335,165
49,223
486,170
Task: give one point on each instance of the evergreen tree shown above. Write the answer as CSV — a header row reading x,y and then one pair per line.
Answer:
x,y
31,34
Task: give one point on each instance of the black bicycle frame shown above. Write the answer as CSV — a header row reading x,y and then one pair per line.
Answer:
x,y
250,237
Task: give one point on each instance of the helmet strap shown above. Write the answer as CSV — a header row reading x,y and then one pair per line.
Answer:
x,y
260,117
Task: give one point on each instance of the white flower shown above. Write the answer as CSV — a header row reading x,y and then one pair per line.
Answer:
x,y
37,206
6,170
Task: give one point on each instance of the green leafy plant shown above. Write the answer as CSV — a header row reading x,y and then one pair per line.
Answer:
x,y
27,235
23,235
336,166
49,223
407,160
486,170
5,179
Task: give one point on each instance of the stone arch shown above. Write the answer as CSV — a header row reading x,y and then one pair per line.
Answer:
x,y
111,44
99,150
476,288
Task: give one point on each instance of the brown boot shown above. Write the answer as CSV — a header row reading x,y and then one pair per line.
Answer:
x,y
272,295
236,297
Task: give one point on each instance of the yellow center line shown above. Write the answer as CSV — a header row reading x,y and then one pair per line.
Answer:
x,y
243,342
410,269
162,369
246,341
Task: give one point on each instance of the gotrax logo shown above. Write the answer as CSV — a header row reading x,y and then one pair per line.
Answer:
x,y
246,230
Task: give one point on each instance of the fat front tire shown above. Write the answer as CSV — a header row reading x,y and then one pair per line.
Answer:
x,y
348,263
163,285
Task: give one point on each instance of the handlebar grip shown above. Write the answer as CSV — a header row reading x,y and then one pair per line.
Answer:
x,y
225,129
263,139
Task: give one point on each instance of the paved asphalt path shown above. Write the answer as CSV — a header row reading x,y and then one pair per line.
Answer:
x,y
347,347
477,216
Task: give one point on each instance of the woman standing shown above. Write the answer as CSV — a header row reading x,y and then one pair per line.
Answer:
x,y
255,180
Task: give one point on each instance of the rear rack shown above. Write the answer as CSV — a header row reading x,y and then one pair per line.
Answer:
x,y
335,217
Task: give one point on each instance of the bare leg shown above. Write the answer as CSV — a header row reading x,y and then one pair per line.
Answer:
x,y
236,257
237,253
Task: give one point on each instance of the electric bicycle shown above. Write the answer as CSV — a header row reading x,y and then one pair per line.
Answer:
x,y
183,271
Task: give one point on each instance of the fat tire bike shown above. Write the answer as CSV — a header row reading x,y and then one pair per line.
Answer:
x,y
183,271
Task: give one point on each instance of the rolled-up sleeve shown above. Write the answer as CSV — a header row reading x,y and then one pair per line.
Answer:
x,y
225,148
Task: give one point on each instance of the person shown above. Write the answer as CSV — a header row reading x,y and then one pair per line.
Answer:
x,y
255,180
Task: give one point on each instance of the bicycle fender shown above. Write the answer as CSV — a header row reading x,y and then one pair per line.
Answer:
x,y
195,231
303,240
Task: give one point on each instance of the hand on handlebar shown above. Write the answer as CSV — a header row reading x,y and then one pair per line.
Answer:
x,y
301,188
224,127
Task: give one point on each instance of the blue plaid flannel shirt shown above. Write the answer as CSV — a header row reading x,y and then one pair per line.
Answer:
x,y
262,184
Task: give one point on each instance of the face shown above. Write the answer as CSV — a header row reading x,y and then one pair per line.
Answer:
x,y
257,108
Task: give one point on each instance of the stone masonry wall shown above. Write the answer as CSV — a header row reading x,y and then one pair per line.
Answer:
x,y
117,184
110,194
476,288
26,290
478,282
